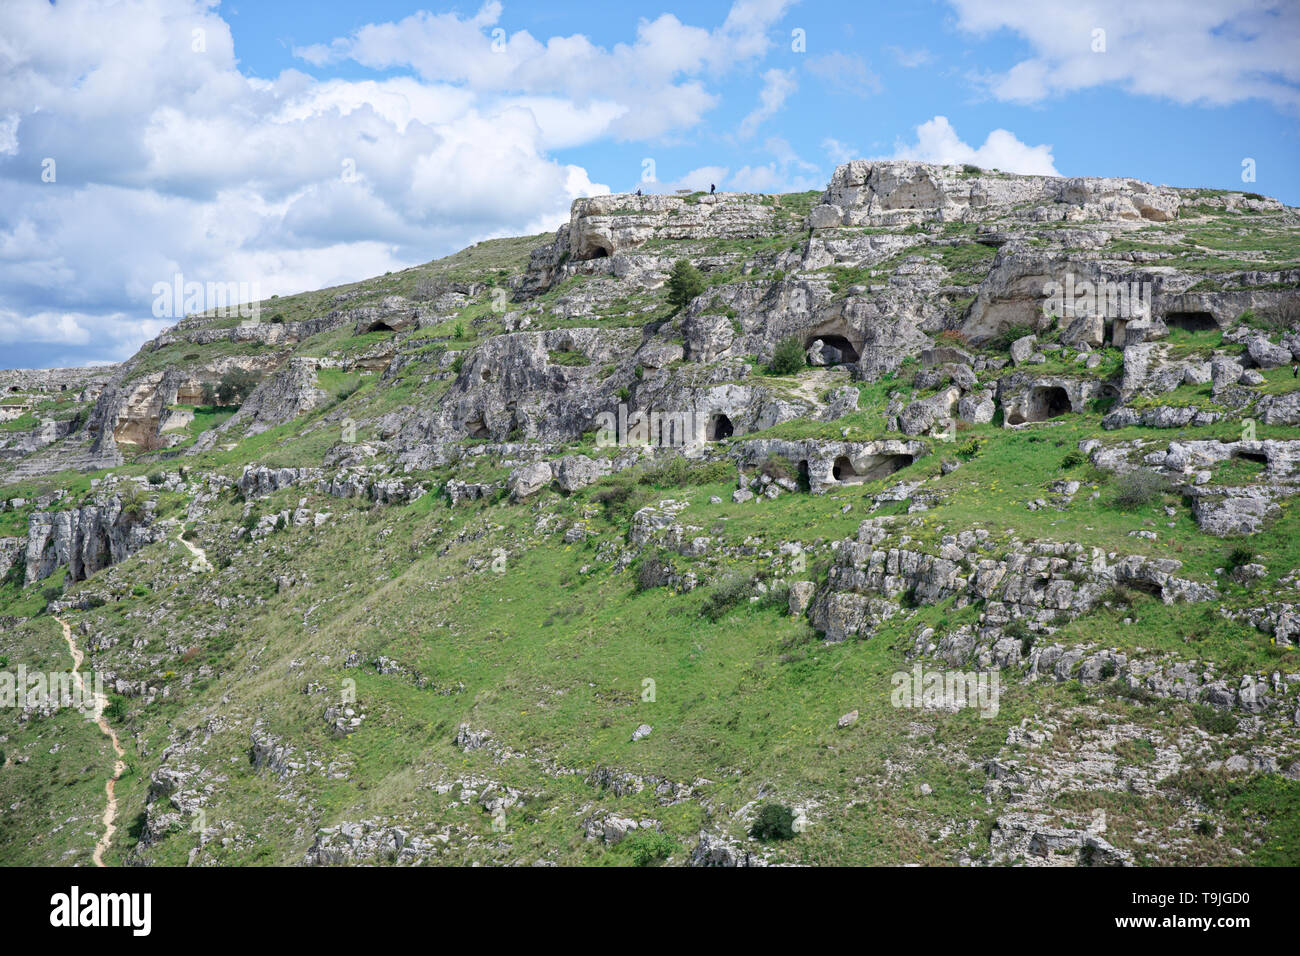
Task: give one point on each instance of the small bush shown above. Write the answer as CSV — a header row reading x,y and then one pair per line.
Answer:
x,y
1120,596
1139,488
116,708
731,591
157,478
1240,557
1073,459
788,358
648,847
969,448
777,466
652,572
1019,630
775,822
235,386
618,498
1010,334
1214,721
679,472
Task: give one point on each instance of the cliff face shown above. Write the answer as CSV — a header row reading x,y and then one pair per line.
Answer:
x,y
85,540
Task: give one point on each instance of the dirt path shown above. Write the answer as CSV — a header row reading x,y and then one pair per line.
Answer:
x,y
119,767
200,556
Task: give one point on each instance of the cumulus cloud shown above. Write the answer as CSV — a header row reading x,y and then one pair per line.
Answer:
x,y
938,142
649,86
1209,52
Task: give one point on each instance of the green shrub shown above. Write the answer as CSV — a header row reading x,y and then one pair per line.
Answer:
x,y
618,498
1240,557
648,847
788,358
652,571
1138,488
679,472
684,283
115,709
775,822
235,386
1214,721
731,591
1011,333
1073,459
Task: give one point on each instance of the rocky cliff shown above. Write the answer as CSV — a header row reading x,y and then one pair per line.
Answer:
x,y
511,557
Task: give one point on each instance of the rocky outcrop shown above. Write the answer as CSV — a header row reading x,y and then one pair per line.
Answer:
x,y
891,193
1042,581
86,539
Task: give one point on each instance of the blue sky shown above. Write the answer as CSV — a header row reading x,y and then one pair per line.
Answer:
x,y
288,146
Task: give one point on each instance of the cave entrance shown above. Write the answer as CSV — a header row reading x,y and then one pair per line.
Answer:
x,y
1050,401
379,326
805,477
843,471
880,466
835,349
719,427
1191,321
477,428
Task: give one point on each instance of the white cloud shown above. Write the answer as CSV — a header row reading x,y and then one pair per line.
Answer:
x,y
1211,51
846,73
778,85
653,85
787,172
837,151
911,58
938,142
